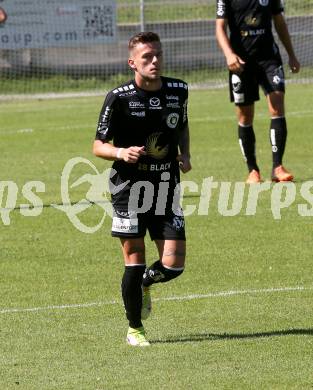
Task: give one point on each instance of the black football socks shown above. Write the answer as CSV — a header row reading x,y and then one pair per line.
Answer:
x,y
278,137
132,293
158,273
247,144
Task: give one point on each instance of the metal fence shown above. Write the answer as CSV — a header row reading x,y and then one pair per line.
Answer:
x,y
187,31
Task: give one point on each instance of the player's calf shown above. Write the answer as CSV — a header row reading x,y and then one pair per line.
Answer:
x,y
159,273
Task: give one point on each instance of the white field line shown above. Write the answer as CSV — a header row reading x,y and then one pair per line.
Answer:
x,y
65,95
295,114
173,298
260,115
46,128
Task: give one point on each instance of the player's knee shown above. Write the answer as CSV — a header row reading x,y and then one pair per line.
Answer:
x,y
134,254
276,104
245,115
277,112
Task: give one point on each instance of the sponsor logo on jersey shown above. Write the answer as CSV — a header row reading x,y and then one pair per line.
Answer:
x,y
156,146
220,8
264,3
236,82
154,167
102,129
251,20
260,31
155,103
130,93
104,124
253,33
173,105
141,114
135,104
172,97
106,114
125,225
160,167
172,120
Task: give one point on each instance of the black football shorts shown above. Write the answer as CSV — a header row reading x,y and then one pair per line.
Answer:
x,y
244,88
160,227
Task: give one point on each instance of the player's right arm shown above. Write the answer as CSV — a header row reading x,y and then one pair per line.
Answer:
x,y
234,62
107,126
110,152
284,36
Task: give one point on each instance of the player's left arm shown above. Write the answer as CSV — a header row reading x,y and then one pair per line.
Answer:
x,y
284,36
184,148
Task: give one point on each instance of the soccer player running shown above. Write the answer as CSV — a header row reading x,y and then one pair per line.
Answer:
x,y
253,59
142,126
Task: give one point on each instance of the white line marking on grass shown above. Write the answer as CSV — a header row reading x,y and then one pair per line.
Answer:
x,y
24,131
233,292
17,131
218,84
174,298
260,115
58,307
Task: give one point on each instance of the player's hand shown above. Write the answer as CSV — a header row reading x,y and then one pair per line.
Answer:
x,y
184,163
132,154
235,63
294,65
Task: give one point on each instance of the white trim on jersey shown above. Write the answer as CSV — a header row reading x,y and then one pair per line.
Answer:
x,y
125,88
177,85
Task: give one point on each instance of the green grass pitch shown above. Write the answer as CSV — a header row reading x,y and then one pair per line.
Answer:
x,y
240,317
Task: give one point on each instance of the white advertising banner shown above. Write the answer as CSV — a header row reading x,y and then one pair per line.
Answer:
x,y
56,23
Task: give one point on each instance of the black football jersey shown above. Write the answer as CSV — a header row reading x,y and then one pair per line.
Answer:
x,y
250,25
131,116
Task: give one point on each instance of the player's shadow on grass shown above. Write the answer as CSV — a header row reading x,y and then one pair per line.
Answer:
x,y
231,336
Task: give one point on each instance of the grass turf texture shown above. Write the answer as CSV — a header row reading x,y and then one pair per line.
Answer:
x,y
129,11
242,341
21,84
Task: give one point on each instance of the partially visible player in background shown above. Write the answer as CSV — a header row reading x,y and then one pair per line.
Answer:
x,y
253,59
3,16
146,118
